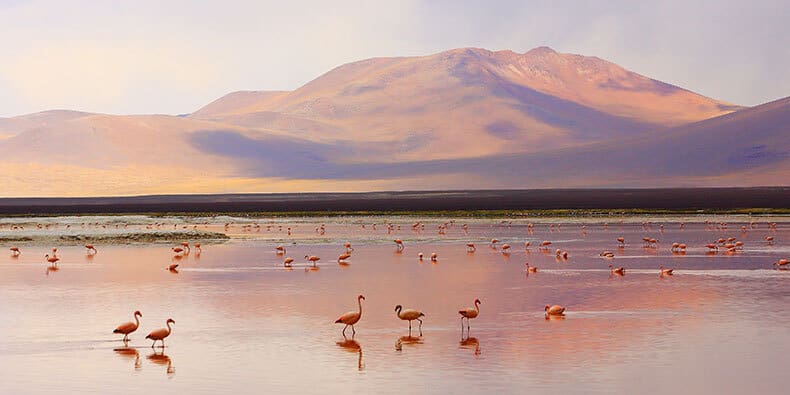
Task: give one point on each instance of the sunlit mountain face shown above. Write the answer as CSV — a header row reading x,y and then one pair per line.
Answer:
x,y
461,119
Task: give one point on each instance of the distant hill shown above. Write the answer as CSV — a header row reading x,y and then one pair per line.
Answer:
x,y
466,118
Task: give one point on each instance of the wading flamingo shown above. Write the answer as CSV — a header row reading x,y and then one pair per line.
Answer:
x,y
342,258
493,242
665,272
279,250
470,247
312,258
185,245
620,271
161,334
434,257
531,269
545,244
781,263
351,318
554,310
399,244
91,249
15,251
173,267
287,262
348,247
506,248
469,313
409,315
621,240
129,327
197,248
52,259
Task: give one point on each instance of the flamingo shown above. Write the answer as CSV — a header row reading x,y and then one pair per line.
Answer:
x,y
665,272
470,247
178,250
619,271
769,240
555,310
343,257
351,318
506,248
15,251
399,244
493,242
469,313
287,262
348,247
197,248
52,259
545,244
419,256
129,327
279,250
434,257
312,258
161,334
606,254
526,245
91,249
712,247
781,263
621,240
409,315
185,245
173,267
531,269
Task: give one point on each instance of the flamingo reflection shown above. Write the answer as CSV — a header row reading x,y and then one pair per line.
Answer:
x,y
129,352
470,343
352,345
160,358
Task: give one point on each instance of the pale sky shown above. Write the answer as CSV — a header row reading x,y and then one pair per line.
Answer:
x,y
175,56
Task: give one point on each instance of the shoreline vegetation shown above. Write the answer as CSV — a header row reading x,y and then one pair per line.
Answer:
x,y
470,203
487,214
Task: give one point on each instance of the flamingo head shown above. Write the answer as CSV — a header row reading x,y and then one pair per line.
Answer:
x,y
170,321
546,308
398,308
360,297
477,301
136,313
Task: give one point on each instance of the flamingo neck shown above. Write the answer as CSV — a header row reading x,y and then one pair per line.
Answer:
x,y
169,329
477,306
136,321
359,301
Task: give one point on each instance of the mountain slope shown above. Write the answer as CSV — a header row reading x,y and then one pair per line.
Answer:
x,y
442,105
466,118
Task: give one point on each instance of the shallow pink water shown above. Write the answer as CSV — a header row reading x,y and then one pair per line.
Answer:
x,y
244,324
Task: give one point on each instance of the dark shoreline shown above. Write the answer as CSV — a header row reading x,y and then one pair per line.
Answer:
x,y
674,199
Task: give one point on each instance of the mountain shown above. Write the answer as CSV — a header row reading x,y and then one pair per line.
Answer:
x,y
466,118
443,105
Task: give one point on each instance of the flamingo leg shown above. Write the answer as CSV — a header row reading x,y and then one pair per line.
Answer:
x,y
353,331
344,330
420,326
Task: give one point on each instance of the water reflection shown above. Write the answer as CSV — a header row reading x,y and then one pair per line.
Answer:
x,y
129,353
160,358
352,345
407,340
470,343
